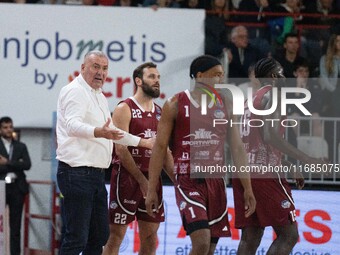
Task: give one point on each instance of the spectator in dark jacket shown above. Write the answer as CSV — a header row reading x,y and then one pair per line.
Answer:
x,y
315,104
215,29
243,55
290,57
258,36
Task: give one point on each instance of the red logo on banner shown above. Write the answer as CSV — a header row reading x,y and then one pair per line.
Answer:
x,y
181,233
324,229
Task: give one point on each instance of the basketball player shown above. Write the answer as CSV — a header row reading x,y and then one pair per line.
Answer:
x,y
201,201
265,146
138,115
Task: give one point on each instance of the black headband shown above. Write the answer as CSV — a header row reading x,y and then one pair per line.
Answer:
x,y
202,64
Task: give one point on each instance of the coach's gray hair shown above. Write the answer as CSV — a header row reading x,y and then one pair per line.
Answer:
x,y
95,52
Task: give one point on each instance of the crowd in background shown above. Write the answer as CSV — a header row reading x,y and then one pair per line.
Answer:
x,y
303,35
268,22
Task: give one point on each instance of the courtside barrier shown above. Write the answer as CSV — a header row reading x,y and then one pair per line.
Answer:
x,y
52,218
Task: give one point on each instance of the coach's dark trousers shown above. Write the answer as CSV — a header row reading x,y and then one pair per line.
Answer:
x,y
85,209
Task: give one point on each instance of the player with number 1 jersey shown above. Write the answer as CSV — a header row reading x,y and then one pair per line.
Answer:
x,y
196,144
186,126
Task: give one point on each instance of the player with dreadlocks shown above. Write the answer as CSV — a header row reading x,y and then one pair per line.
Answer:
x,y
265,146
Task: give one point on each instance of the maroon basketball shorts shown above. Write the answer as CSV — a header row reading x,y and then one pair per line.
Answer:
x,y
202,204
127,201
274,203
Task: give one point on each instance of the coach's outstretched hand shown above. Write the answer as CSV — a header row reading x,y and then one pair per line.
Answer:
x,y
107,132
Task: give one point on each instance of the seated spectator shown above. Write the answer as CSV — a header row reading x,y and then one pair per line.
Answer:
x,y
219,7
192,4
290,57
94,2
280,26
23,1
321,7
337,5
314,105
314,40
215,30
125,3
243,55
155,4
330,81
330,75
258,36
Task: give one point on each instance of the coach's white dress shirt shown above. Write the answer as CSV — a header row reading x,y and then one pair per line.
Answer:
x,y
80,110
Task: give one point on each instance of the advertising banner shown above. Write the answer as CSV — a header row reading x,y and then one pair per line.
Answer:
x,y
42,48
317,216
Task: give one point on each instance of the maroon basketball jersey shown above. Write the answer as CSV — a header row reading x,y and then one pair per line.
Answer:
x,y
195,141
143,124
258,151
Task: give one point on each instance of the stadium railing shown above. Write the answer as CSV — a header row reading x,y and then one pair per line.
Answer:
x,y
325,146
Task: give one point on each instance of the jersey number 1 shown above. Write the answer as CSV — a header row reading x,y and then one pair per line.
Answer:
x,y
192,212
186,107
